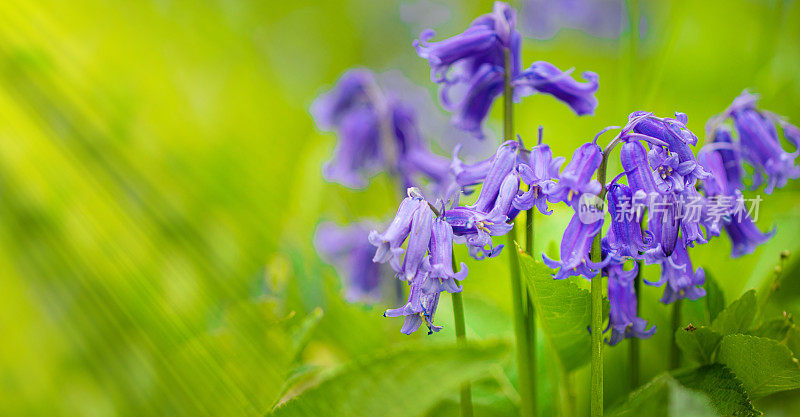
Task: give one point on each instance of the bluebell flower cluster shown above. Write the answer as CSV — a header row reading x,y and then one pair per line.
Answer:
x,y
377,132
420,224
470,68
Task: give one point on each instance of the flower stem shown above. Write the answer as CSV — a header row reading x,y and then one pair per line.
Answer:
x,y
461,337
530,319
596,405
674,351
524,375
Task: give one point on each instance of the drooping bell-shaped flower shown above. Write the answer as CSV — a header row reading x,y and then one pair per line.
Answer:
x,y
576,178
575,246
758,142
539,174
745,236
677,139
441,276
503,163
682,281
633,156
731,159
471,64
419,308
544,77
664,222
357,155
665,166
347,249
389,243
623,319
624,237
475,229
418,240
351,91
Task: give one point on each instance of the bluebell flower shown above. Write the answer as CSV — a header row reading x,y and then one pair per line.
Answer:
x,y
475,229
676,138
418,240
509,189
419,308
473,62
682,281
347,249
665,166
731,158
633,157
745,236
576,178
539,174
758,142
623,319
575,246
389,243
625,237
351,91
503,163
664,223
544,77
441,276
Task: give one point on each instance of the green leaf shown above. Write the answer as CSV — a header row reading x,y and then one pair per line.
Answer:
x,y
763,365
698,344
775,329
401,383
714,299
709,390
738,317
724,390
564,312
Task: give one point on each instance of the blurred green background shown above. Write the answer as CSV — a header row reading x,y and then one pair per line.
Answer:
x,y
160,184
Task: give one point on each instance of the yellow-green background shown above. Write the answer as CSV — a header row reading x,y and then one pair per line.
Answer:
x,y
160,185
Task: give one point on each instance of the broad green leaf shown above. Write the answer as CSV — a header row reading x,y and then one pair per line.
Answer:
x,y
564,311
724,390
400,383
763,365
698,344
709,390
738,317
714,299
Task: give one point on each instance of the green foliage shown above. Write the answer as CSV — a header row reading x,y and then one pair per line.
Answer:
x,y
698,344
412,379
563,311
709,390
763,365
738,316
714,299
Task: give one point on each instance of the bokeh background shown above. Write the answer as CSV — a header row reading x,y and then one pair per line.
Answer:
x,y
160,185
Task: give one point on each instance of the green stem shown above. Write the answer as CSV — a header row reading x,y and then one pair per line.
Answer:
x,y
461,337
530,319
674,351
523,364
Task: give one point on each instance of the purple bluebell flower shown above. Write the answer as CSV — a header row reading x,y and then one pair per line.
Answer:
x,y
357,155
633,156
623,320
418,240
576,178
351,91
731,159
624,237
475,229
509,189
690,206
544,77
682,280
664,223
745,236
347,249
419,308
665,166
503,163
575,246
675,137
539,174
473,62
389,242
441,276
758,142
